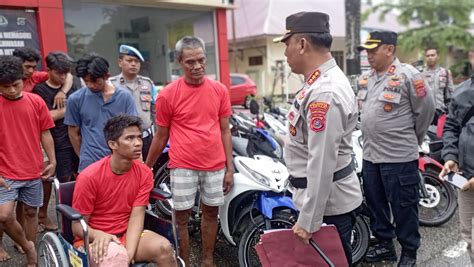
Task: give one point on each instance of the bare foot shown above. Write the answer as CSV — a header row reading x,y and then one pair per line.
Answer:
x,y
47,224
18,248
4,256
31,256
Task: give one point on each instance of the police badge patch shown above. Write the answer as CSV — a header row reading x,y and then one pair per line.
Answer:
x,y
318,116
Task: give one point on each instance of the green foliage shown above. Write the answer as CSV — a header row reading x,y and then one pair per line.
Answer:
x,y
433,23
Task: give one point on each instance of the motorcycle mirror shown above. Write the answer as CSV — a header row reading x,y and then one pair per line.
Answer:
x,y
254,107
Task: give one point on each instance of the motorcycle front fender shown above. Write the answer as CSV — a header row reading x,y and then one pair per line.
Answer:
x,y
424,161
268,201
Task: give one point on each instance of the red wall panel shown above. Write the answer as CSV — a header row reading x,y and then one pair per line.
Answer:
x,y
222,44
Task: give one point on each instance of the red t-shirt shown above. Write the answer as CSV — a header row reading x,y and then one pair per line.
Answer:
x,y
37,77
108,198
193,113
21,123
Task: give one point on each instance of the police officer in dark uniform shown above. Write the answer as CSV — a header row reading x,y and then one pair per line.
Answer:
x,y
140,87
323,115
397,107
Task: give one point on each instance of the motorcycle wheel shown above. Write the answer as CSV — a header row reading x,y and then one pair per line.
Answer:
x,y
251,236
359,239
163,176
441,204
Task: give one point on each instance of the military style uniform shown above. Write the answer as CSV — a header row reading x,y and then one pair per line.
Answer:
x,y
441,83
396,109
322,118
141,90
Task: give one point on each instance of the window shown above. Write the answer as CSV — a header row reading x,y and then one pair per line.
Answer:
x,y
339,57
256,61
102,28
236,80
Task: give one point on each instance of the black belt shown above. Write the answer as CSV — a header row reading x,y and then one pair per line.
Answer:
x,y
302,182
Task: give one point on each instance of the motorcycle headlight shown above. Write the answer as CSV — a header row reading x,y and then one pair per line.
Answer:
x,y
259,178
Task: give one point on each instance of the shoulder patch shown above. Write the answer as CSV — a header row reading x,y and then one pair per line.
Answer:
x,y
318,112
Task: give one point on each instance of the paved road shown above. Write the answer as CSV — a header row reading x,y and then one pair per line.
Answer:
x,y
441,247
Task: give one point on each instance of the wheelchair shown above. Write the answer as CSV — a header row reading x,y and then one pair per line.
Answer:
x,y
56,249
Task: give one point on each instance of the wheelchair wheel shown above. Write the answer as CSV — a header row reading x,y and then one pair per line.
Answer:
x,y
51,252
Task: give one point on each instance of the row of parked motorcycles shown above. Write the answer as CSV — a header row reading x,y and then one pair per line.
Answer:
x,y
260,199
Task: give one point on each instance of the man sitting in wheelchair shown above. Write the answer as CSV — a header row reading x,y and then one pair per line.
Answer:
x,y
112,194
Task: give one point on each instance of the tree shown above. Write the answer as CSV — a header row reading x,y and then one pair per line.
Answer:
x,y
440,23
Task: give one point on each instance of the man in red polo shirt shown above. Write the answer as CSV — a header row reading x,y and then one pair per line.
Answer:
x,y
193,112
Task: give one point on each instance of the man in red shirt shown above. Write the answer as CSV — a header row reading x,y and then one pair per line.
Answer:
x,y
112,194
24,124
30,58
193,113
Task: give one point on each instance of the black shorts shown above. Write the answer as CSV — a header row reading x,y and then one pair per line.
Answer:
x,y
67,163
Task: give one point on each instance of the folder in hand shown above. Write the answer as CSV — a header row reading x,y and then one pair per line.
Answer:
x,y
283,249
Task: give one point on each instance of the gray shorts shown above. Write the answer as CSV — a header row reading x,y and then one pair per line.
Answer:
x,y
29,192
185,183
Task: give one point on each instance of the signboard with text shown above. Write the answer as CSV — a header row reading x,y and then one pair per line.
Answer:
x,y
17,29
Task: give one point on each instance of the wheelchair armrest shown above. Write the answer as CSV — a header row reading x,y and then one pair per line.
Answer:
x,y
69,212
159,194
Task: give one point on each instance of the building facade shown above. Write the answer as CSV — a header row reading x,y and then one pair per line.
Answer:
x,y
84,26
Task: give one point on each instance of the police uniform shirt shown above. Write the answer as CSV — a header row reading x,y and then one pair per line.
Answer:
x,y
322,119
441,83
396,109
140,89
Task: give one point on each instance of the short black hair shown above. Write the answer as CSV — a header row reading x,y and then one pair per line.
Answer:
x,y
431,48
11,69
27,54
93,65
318,40
59,62
114,127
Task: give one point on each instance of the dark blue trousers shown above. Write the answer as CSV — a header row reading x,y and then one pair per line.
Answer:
x,y
393,187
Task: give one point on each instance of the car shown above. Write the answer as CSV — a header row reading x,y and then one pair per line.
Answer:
x,y
242,89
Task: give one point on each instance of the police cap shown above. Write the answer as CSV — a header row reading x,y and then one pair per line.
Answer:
x,y
130,51
305,22
376,38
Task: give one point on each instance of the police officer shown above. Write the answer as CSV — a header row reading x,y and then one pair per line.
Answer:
x,y
140,87
322,118
397,107
439,80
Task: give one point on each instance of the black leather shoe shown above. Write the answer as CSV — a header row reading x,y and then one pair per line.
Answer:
x,y
406,261
381,252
